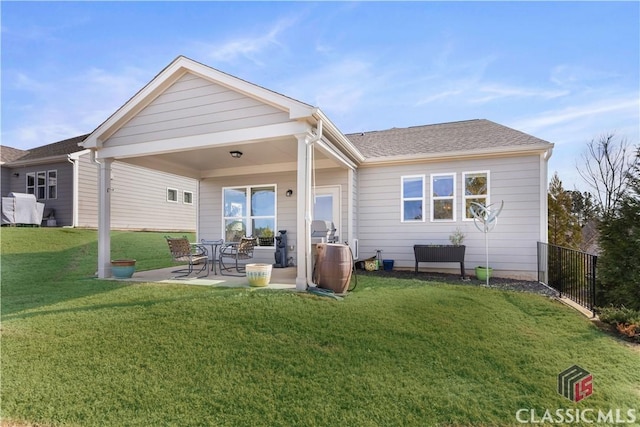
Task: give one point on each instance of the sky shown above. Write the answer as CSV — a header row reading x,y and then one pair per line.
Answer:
x,y
565,72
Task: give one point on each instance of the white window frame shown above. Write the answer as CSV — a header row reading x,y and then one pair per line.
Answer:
x,y
247,218
48,184
169,190
487,197
30,189
434,198
411,199
184,193
42,186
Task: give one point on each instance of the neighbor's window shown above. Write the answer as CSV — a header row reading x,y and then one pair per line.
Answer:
x,y
476,189
172,195
31,183
443,189
41,185
412,198
187,197
249,211
52,184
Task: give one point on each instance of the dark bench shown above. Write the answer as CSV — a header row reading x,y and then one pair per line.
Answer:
x,y
440,253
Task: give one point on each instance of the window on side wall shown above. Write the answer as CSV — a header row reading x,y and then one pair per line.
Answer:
x,y
187,197
443,195
31,183
41,188
172,195
476,189
250,211
412,207
52,184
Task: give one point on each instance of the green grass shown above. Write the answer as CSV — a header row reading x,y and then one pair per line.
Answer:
x,y
79,351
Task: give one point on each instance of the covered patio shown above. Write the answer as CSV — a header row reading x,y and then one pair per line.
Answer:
x,y
281,278
237,140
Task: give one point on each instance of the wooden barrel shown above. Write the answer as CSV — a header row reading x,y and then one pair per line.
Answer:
x,y
333,267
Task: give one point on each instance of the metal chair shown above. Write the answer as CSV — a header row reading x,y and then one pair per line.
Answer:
x,y
182,251
236,251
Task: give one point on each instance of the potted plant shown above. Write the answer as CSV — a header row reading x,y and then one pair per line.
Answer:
x,y
123,268
266,237
457,237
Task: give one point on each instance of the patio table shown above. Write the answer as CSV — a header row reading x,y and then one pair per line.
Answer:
x,y
215,244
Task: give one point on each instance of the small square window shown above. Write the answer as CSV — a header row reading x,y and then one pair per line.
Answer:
x,y
187,197
172,195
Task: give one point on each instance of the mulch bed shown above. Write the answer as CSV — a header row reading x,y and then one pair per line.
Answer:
x,y
494,282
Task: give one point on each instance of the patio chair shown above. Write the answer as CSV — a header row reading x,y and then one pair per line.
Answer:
x,y
193,254
236,251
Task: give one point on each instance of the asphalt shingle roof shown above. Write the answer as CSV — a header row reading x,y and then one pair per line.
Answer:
x,y
10,154
63,147
466,135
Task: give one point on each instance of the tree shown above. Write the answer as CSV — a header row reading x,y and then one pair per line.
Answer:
x,y
583,206
607,163
564,227
619,264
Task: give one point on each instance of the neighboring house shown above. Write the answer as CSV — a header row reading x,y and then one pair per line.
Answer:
x,y
64,178
265,161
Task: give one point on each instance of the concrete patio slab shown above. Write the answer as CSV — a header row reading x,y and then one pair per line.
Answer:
x,y
281,278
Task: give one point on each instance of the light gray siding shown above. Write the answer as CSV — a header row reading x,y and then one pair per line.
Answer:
x,y
195,106
512,244
138,198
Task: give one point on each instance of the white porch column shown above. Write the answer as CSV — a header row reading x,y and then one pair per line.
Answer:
x,y
104,218
303,216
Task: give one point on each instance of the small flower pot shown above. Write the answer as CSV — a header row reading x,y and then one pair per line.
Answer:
x,y
123,268
482,273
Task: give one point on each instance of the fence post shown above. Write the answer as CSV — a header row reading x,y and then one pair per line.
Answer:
x,y
593,284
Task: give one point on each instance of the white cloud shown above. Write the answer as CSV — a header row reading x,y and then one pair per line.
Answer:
x,y
249,47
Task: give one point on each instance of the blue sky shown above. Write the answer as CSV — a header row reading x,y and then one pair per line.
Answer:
x,y
566,72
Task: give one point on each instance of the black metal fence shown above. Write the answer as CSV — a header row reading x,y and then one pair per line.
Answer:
x,y
572,273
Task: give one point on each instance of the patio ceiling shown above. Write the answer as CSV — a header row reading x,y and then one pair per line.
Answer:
x,y
263,156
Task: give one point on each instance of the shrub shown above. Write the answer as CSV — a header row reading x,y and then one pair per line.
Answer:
x,y
625,320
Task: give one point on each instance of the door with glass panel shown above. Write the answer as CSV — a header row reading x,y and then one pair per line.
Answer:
x,y
327,206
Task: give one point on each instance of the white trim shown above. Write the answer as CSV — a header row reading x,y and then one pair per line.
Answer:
x,y
208,140
432,198
333,191
410,199
167,194
26,182
48,185
464,192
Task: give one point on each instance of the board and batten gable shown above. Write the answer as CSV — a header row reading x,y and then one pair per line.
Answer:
x,y
512,244
139,198
195,106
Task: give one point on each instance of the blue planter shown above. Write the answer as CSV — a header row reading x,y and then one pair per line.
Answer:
x,y
123,268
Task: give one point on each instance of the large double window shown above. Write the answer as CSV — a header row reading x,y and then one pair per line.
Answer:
x,y
249,211
43,184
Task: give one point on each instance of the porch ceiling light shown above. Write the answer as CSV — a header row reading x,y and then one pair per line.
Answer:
x,y
235,154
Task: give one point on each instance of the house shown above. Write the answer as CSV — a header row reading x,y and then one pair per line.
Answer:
x,y
63,176
264,161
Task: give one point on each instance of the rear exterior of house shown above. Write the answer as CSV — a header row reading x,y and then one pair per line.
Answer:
x,y
264,162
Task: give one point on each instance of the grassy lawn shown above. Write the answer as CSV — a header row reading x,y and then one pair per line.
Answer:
x,y
77,351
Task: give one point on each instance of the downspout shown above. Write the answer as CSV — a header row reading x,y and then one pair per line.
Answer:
x,y
74,201
309,202
544,207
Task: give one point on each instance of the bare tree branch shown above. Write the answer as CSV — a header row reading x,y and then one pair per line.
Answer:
x,y
605,168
